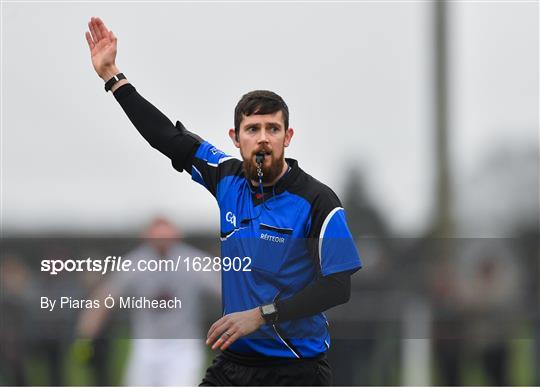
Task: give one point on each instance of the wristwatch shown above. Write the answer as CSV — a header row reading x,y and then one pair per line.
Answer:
x,y
113,80
269,313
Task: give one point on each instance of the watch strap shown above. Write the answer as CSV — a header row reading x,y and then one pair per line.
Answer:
x,y
112,81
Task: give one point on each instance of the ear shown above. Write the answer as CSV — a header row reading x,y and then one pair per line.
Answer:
x,y
232,135
288,136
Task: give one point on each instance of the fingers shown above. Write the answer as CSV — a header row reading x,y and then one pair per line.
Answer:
x,y
97,29
219,341
227,333
92,30
230,339
89,40
227,330
101,29
217,323
112,38
216,332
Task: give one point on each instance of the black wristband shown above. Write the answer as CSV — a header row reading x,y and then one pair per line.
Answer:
x,y
110,83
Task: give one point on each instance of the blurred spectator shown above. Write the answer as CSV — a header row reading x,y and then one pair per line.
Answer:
x,y
54,331
489,287
98,352
166,349
16,297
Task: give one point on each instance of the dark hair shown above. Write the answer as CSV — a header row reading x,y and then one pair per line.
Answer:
x,y
259,102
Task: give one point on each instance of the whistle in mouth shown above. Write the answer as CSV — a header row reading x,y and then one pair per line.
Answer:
x,y
259,157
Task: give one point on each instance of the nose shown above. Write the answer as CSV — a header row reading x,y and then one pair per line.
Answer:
x,y
262,137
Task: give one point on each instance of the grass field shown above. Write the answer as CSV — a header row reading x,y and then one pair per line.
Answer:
x,y
77,370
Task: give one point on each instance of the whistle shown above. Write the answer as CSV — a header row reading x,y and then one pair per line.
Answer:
x,y
259,157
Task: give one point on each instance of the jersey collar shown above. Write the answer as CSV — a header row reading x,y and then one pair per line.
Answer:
x,y
280,186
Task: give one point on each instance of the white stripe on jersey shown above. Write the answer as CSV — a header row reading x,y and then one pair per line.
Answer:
x,y
282,340
224,159
323,229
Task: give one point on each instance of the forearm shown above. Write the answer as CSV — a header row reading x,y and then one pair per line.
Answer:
x,y
175,142
324,293
153,125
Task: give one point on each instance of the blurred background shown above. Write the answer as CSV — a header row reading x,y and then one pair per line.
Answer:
x,y
422,116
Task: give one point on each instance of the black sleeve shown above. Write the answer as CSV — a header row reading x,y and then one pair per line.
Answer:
x,y
175,142
322,294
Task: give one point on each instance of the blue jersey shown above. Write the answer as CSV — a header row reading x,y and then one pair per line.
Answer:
x,y
293,234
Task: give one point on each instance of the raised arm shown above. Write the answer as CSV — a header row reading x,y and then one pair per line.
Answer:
x,y
175,142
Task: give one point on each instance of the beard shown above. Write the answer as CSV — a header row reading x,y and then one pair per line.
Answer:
x,y
272,166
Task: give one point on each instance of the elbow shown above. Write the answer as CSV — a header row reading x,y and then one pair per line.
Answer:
x,y
338,299
341,297
341,289
345,296
345,291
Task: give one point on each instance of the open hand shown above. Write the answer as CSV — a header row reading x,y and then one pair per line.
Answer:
x,y
232,326
102,44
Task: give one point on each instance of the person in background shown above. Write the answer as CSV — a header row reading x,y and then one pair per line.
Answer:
x,y
166,349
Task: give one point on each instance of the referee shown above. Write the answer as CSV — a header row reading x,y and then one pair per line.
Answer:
x,y
287,229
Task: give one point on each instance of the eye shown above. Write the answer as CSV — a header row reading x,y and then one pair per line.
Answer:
x,y
274,129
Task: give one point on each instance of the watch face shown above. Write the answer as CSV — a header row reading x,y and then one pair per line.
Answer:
x,y
268,309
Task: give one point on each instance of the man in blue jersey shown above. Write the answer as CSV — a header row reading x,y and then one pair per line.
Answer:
x,y
285,231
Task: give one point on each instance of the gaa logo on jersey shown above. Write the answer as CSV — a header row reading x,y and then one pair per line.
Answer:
x,y
231,218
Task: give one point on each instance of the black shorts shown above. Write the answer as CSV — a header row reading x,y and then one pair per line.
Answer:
x,y
233,369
